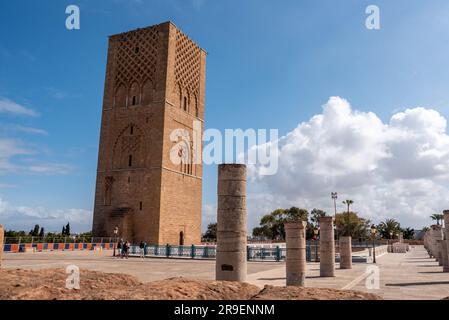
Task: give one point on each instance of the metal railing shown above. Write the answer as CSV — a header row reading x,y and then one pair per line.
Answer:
x,y
275,253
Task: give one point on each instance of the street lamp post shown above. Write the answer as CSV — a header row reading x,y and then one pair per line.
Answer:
x,y
115,242
334,197
315,232
373,233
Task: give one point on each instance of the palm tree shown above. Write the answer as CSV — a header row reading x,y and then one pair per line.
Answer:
x,y
388,227
438,217
348,202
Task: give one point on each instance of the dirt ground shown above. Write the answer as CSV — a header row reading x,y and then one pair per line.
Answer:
x,y
49,284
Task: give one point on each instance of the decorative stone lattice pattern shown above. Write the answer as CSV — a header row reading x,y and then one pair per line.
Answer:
x,y
187,64
136,57
131,143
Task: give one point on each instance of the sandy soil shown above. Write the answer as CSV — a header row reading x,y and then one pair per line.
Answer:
x,y
50,285
297,293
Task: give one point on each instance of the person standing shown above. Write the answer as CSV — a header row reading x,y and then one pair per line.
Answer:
x,y
126,253
142,249
119,248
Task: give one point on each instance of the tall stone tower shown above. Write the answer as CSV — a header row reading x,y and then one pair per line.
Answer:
x,y
148,184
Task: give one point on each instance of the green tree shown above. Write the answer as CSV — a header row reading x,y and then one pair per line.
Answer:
x,y
388,226
350,224
315,216
348,202
272,225
63,231
42,232
408,233
67,229
35,231
438,217
211,232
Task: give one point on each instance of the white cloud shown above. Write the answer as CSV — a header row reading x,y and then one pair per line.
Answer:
x,y
209,215
8,106
24,218
6,129
10,148
397,169
15,158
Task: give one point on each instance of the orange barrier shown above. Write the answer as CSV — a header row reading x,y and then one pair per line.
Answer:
x,y
14,248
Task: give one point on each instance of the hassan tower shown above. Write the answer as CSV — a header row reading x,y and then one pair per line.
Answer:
x,y
154,87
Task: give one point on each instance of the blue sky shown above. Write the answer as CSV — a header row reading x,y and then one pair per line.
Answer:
x,y
270,64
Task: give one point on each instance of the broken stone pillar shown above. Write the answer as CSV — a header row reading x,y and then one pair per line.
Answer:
x,y
446,235
345,252
401,237
445,256
436,234
440,252
327,247
231,223
295,236
2,235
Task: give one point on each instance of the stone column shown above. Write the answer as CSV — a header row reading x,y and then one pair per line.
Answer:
x,y
231,223
327,247
446,234
401,238
2,235
345,252
436,234
440,252
445,256
295,235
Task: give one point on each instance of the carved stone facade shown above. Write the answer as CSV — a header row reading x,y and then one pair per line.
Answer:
x,y
155,82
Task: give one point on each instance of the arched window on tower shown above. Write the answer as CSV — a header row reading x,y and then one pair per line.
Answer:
x,y
120,97
134,94
197,113
181,238
180,96
147,93
185,104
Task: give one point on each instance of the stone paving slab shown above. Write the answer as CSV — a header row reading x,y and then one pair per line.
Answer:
x,y
410,276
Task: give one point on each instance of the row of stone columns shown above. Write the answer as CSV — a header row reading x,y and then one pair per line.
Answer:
x,y
231,257
445,246
436,241
296,263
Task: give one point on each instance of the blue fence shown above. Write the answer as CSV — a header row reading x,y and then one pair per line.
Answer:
x,y
254,253
209,252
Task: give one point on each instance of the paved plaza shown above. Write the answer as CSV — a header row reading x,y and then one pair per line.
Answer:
x,y
402,276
